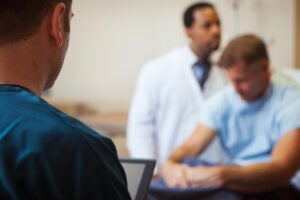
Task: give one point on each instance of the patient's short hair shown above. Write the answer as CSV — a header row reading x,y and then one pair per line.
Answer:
x,y
248,48
20,19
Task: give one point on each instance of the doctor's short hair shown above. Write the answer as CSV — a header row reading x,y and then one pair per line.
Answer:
x,y
188,15
248,48
20,19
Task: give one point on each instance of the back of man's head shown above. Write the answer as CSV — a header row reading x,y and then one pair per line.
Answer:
x,y
248,48
188,16
20,19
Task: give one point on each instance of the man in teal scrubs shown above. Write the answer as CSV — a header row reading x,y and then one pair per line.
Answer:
x,y
44,153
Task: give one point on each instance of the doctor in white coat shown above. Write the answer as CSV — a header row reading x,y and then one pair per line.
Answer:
x,y
168,97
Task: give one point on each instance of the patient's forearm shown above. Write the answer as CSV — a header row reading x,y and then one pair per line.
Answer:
x,y
256,178
179,154
195,144
266,176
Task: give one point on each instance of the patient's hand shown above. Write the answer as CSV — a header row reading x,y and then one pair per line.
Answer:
x,y
174,174
204,176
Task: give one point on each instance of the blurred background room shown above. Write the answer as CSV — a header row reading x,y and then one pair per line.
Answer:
x,y
112,39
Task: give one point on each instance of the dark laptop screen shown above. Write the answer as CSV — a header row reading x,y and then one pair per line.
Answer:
x,y
139,173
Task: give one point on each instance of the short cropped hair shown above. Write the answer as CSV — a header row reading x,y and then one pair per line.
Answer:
x,y
248,48
20,19
188,16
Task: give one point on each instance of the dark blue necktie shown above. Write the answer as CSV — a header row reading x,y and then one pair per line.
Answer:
x,y
201,71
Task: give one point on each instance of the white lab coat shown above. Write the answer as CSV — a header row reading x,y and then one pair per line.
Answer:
x,y
166,105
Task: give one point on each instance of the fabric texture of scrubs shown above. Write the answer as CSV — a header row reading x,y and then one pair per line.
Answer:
x,y
46,154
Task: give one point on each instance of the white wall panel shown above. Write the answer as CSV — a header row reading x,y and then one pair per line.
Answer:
x,y
111,39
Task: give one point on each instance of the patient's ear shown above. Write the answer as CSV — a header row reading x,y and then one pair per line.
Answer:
x,y
57,23
264,64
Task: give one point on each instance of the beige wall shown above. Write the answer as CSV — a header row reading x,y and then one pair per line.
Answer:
x,y
111,39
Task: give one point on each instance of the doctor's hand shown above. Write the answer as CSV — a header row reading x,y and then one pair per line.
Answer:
x,y
204,176
174,174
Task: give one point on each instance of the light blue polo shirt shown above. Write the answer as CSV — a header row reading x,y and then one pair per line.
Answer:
x,y
249,131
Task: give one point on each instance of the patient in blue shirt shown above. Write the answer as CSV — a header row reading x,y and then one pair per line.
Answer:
x,y
258,122
250,130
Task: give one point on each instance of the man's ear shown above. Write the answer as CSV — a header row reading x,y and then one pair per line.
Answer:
x,y
265,64
57,24
188,32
